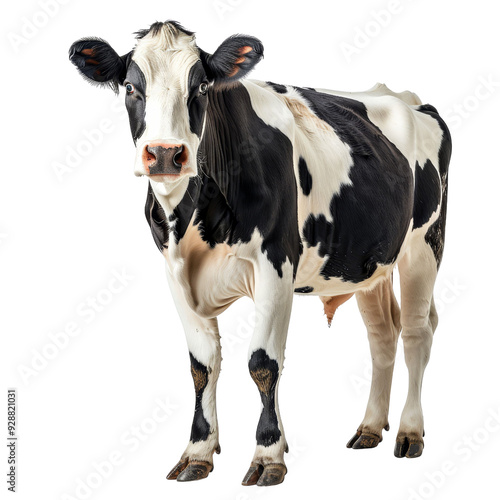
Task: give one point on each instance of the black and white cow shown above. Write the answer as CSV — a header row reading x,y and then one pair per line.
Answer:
x,y
265,190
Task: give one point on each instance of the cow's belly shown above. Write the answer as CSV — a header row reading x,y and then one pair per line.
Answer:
x,y
310,279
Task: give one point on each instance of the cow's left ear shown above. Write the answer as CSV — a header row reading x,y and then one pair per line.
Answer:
x,y
98,62
233,60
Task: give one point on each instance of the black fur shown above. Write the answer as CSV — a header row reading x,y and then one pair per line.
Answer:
x,y
136,102
277,87
104,67
200,428
157,220
305,177
427,193
262,368
244,160
371,216
155,28
221,65
436,233
304,289
197,103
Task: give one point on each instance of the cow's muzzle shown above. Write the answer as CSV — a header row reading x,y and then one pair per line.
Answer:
x,y
164,159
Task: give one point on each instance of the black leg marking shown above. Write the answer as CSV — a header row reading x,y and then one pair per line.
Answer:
x,y
201,428
265,372
304,289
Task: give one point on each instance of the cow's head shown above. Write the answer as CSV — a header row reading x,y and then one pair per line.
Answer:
x,y
167,79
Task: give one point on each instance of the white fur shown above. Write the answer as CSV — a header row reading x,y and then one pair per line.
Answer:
x,y
165,59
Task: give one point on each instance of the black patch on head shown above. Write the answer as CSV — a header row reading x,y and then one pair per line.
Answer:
x,y
371,216
277,87
427,193
305,177
436,233
265,373
197,103
155,28
200,428
98,62
136,102
156,220
304,289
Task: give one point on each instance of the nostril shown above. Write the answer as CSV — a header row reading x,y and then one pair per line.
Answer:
x,y
177,158
149,156
180,157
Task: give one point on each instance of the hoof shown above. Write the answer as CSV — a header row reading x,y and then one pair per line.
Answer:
x,y
273,474
364,439
178,469
194,471
268,475
408,446
253,474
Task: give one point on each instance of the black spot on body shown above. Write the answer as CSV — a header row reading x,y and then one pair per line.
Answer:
x,y
277,87
304,289
427,193
265,373
371,216
436,233
156,218
305,177
200,428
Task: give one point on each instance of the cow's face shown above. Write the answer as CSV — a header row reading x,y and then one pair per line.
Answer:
x,y
167,80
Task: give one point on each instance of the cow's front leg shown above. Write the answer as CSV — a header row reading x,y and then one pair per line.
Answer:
x,y
203,341
273,301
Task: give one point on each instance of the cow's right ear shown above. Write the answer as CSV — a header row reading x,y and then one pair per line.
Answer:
x,y
99,63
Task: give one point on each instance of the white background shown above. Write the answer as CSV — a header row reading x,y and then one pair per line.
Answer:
x,y
61,238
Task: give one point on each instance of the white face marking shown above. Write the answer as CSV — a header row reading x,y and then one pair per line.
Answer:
x,y
165,59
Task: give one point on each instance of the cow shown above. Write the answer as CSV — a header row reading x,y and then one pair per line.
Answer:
x,y
264,190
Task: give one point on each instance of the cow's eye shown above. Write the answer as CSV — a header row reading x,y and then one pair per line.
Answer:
x,y
129,88
203,88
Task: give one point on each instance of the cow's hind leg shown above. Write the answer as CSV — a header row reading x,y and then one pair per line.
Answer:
x,y
203,341
381,314
418,269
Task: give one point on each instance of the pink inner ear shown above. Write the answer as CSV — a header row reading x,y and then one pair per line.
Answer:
x,y
245,50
